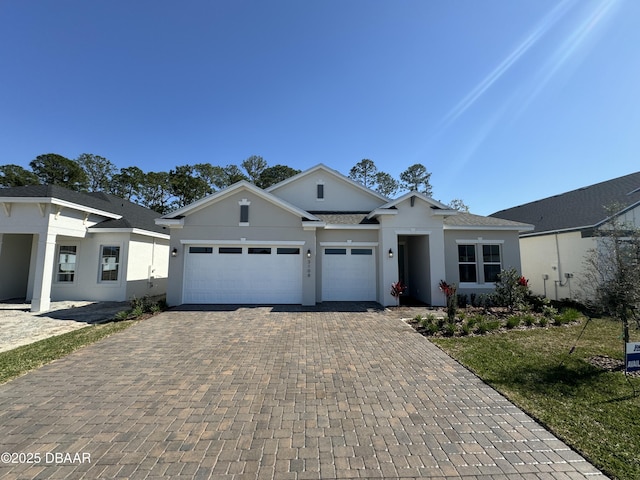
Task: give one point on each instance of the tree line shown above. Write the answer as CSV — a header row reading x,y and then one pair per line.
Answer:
x,y
166,191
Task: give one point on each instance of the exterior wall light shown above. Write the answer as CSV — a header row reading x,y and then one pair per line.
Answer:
x,y
174,252
308,253
390,253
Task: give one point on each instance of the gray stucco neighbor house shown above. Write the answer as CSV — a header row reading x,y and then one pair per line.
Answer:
x,y
319,236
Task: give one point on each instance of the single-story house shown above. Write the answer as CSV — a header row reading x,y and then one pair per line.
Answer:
x,y
319,236
57,244
566,227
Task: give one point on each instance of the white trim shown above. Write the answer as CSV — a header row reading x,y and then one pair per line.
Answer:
x,y
137,231
340,226
349,243
482,241
62,203
170,222
413,231
312,225
382,211
244,241
519,228
488,285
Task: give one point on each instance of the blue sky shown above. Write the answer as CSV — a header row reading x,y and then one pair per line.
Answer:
x,y
504,101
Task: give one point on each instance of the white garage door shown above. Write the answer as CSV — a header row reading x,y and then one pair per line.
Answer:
x,y
348,274
240,274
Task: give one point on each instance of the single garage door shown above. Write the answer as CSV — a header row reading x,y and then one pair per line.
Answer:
x,y
348,274
242,274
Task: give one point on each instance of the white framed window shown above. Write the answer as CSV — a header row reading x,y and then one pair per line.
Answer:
x,y
479,262
467,266
491,262
67,260
109,263
244,212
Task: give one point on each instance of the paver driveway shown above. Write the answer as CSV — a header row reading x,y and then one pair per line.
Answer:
x,y
254,393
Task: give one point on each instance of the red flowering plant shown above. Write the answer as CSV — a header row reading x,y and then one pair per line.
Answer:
x,y
397,289
450,293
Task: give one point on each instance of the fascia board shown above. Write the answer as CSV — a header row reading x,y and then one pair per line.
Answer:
x,y
170,222
61,203
137,231
490,227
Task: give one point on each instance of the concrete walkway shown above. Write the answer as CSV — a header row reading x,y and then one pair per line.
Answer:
x,y
255,393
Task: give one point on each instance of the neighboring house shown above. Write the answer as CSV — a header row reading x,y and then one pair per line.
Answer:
x,y
565,225
58,244
319,236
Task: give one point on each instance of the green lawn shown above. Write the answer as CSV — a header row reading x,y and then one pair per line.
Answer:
x,y
594,411
19,361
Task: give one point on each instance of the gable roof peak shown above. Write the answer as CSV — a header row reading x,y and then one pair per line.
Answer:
x,y
330,171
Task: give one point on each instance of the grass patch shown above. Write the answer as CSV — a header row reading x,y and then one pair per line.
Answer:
x,y
21,360
593,410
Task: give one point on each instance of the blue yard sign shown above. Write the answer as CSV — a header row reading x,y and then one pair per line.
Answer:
x,y
632,358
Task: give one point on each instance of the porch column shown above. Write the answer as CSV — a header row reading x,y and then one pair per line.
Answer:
x,y
45,257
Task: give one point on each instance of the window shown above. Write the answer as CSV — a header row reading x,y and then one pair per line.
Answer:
x,y
230,250
467,263
288,251
491,262
66,263
259,251
110,264
200,249
361,251
244,213
335,251
320,191
481,265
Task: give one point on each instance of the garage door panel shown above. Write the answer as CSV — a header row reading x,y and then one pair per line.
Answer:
x,y
243,277
348,274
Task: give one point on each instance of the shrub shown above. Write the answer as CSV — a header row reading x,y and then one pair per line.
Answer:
x,y
466,328
432,328
529,320
463,300
449,329
493,325
418,318
567,316
482,328
543,322
511,289
452,298
512,322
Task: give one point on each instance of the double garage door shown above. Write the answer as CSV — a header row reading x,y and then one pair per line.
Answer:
x,y
262,274
272,274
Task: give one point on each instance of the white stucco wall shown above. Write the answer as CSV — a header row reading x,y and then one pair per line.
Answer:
x,y
547,258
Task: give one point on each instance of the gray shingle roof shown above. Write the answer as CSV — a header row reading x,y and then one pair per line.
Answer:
x,y
133,215
463,219
582,208
345,218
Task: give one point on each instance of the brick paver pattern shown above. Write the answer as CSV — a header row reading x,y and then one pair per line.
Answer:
x,y
261,393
